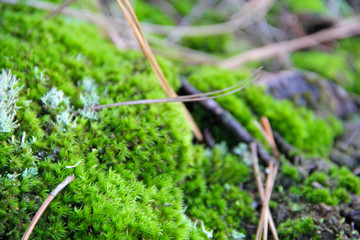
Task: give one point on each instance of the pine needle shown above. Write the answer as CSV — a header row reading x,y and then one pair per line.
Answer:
x,y
135,26
260,187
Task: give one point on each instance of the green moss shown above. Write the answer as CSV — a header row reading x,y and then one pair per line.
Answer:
x,y
150,13
298,126
131,159
346,179
308,6
212,194
320,177
183,7
337,186
291,171
338,66
218,44
320,195
299,229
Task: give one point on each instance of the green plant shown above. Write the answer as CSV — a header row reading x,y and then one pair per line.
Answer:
x,y
297,229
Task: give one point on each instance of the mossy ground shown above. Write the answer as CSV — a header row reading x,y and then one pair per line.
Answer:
x,y
132,159
140,175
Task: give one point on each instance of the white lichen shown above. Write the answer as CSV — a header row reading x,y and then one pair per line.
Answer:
x,y
40,75
31,172
54,98
208,234
66,119
73,165
235,235
12,177
89,99
9,92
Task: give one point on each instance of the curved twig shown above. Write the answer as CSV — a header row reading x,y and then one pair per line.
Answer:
x,y
48,200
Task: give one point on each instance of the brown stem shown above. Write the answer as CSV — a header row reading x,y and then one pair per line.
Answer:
x,y
38,214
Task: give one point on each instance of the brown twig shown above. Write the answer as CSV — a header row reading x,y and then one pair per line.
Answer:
x,y
38,214
343,29
135,26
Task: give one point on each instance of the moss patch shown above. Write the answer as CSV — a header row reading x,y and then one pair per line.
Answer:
x,y
298,126
131,158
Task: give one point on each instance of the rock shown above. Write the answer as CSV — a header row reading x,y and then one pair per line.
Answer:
x,y
310,90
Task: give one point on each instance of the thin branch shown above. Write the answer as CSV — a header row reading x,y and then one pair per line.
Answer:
x,y
38,214
343,29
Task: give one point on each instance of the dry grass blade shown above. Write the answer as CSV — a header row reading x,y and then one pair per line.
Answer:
x,y
188,98
135,26
48,200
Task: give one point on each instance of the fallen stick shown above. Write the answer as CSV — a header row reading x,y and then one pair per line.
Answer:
x,y
48,200
227,120
343,29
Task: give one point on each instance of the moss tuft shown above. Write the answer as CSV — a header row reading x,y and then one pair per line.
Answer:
x,y
299,229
